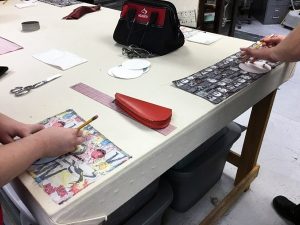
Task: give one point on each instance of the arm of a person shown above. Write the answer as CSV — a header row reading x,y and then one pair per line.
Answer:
x,y
17,156
10,129
288,50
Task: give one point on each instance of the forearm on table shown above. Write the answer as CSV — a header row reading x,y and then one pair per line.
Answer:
x,y
16,157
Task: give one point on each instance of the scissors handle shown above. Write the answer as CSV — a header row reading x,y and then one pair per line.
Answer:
x,y
16,89
19,91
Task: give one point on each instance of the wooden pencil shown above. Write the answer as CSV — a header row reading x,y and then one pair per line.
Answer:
x,y
87,122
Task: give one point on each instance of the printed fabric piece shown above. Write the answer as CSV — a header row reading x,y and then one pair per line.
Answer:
x,y
61,3
63,177
219,81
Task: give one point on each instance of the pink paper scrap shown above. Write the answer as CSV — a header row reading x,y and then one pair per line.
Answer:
x,y
8,46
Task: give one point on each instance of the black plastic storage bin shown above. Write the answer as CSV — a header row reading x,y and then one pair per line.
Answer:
x,y
196,173
145,208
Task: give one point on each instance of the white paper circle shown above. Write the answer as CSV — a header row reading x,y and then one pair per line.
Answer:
x,y
124,73
136,64
256,67
110,73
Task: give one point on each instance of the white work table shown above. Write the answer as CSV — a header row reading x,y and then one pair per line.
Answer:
x,y
152,153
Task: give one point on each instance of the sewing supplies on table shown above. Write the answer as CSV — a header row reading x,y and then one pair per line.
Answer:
x,y
30,26
109,102
20,91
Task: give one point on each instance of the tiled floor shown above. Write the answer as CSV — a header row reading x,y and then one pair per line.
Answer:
x,y
279,159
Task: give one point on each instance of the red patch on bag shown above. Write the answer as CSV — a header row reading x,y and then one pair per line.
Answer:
x,y
143,13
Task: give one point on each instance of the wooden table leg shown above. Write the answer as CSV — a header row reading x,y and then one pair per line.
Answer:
x,y
254,136
230,198
246,162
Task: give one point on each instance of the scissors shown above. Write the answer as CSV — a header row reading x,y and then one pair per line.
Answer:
x,y
19,91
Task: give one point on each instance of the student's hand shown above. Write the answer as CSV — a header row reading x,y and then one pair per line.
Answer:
x,y
265,52
253,54
10,128
271,41
57,141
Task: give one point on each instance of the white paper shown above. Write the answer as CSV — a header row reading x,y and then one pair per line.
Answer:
x,y
124,73
62,59
136,64
204,38
26,4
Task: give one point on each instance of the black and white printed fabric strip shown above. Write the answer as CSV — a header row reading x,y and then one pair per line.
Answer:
x,y
61,3
219,81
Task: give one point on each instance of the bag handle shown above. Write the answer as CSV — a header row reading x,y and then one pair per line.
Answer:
x,y
131,14
130,18
153,18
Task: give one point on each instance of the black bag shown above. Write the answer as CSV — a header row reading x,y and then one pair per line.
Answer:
x,y
151,25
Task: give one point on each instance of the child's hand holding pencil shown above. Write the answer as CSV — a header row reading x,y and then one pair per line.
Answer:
x,y
87,122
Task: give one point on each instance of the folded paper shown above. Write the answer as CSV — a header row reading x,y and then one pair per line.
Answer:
x,y
61,59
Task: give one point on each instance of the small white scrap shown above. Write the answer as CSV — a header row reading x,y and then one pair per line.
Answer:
x,y
26,4
258,67
204,38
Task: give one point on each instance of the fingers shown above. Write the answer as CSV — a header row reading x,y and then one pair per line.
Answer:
x,y
29,129
35,128
79,133
6,139
253,59
252,54
79,137
79,140
246,54
272,40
